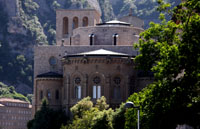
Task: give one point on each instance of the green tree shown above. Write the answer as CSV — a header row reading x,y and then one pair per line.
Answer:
x,y
118,118
101,104
87,116
47,118
84,105
172,52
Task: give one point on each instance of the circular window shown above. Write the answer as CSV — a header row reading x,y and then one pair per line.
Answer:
x,y
117,80
77,80
96,80
52,61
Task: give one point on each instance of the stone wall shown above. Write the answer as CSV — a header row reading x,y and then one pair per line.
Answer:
x,y
100,67
42,55
103,35
92,15
136,22
41,89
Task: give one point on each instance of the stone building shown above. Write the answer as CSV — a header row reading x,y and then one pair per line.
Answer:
x,y
90,59
14,114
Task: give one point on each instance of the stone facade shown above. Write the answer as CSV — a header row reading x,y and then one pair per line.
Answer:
x,y
14,114
68,20
89,60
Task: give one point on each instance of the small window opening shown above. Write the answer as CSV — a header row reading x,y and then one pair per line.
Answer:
x,y
57,94
91,36
115,37
41,95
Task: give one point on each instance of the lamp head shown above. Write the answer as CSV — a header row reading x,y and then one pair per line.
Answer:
x,y
129,105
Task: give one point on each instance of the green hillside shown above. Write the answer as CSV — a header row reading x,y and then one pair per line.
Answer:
x,y
9,92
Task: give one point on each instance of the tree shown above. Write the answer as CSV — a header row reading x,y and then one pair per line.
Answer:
x,y
84,105
171,50
101,104
47,118
87,116
118,118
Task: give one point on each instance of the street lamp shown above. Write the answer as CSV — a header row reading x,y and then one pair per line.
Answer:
x,y
131,105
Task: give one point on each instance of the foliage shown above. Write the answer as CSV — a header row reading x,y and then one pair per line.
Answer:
x,y
172,52
15,68
87,116
84,105
47,118
118,118
101,104
29,97
9,92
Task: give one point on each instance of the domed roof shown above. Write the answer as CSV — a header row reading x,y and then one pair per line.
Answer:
x,y
99,52
115,22
50,75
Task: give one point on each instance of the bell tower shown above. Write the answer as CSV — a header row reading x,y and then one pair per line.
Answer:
x,y
68,20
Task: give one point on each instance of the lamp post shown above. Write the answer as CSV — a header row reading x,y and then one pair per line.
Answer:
x,y
131,105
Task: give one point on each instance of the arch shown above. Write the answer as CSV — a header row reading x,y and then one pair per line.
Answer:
x,y
115,37
117,82
65,26
85,21
77,85
96,86
91,37
75,23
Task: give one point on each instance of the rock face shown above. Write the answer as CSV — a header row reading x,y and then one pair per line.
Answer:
x,y
95,5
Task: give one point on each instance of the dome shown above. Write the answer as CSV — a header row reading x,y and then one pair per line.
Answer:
x,y
115,22
99,53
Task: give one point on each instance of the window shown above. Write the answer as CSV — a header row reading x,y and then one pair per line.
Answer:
x,y
41,95
65,27
115,37
116,90
75,23
96,92
77,82
91,36
85,21
78,92
96,88
48,94
52,61
57,94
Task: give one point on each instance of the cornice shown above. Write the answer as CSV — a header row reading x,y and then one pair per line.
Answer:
x,y
96,60
46,78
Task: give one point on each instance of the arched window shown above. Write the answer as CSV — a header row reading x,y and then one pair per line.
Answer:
x,y
48,94
115,37
85,21
91,36
75,23
77,88
116,90
57,94
41,95
65,26
96,88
